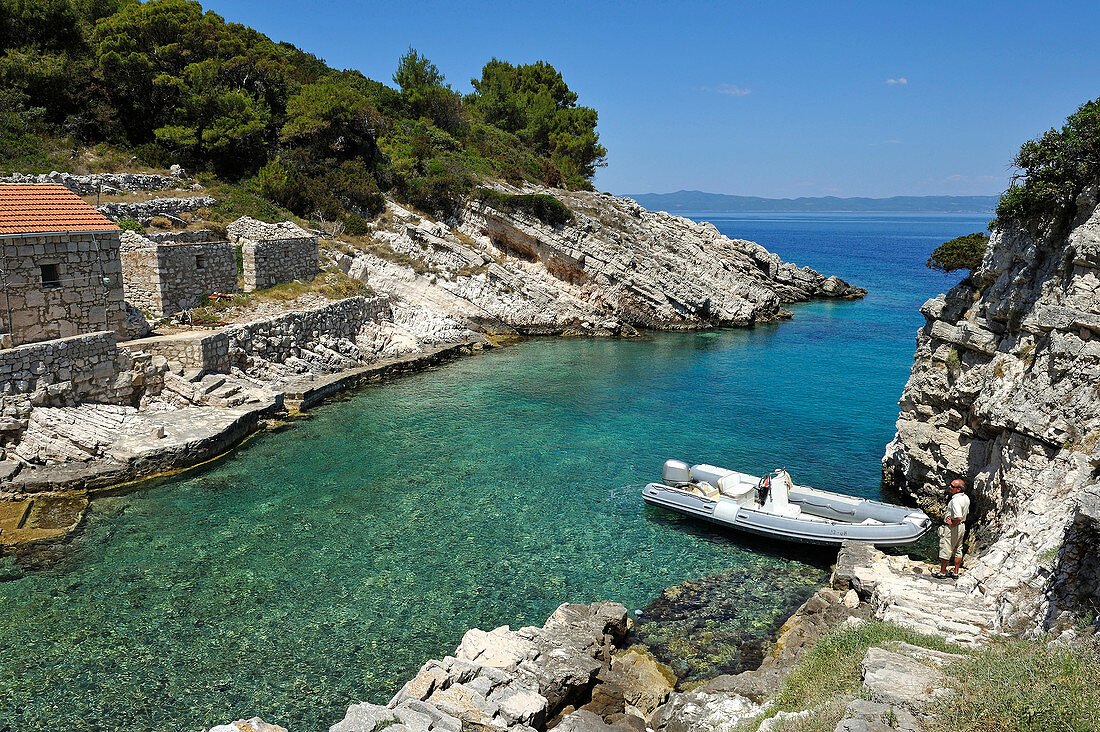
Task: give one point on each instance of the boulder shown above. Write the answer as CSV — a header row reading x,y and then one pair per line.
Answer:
x,y
248,725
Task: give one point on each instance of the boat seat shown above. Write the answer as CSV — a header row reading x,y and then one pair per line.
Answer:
x,y
706,490
736,487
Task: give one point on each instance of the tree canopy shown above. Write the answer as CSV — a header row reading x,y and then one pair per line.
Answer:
x,y
1055,168
171,82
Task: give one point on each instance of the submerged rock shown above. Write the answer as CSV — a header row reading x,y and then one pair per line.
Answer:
x,y
723,624
248,725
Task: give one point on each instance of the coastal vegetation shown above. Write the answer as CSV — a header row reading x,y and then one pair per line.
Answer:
x,y
121,84
829,675
1009,685
1054,169
962,252
543,207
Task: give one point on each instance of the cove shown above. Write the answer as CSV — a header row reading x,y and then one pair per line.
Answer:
x,y
322,564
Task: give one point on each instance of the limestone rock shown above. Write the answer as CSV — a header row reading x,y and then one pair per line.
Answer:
x,y
248,725
616,267
1002,393
698,711
893,678
646,682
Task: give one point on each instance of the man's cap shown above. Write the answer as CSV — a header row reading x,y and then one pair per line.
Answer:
x,y
957,483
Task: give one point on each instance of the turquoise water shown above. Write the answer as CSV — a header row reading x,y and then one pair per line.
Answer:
x,y
322,564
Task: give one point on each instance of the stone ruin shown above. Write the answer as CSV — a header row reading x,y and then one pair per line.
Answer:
x,y
274,253
165,276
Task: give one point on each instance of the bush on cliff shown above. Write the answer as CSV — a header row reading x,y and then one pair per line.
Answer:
x,y
1055,168
962,252
543,207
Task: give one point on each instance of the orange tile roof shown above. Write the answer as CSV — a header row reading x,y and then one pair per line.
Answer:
x,y
47,208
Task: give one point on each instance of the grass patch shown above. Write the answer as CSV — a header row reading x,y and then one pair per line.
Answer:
x,y
831,673
331,283
953,362
1025,686
545,208
1027,354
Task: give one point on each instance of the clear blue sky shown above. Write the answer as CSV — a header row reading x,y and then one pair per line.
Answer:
x,y
770,99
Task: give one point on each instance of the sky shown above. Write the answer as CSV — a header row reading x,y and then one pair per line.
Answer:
x,y
775,99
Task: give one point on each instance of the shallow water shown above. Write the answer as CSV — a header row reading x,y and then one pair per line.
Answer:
x,y
322,564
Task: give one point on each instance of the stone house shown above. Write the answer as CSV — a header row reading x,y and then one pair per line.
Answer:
x,y
274,253
163,277
60,271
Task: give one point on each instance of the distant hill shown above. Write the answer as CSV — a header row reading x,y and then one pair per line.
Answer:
x,y
699,201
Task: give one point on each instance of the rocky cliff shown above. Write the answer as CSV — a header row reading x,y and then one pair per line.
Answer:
x,y
1005,391
616,265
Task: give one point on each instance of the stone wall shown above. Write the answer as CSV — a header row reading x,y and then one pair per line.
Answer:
x,y
325,336
168,278
274,253
197,350
182,237
145,211
83,365
89,185
62,285
321,340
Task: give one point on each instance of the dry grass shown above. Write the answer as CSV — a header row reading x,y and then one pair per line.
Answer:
x,y
331,284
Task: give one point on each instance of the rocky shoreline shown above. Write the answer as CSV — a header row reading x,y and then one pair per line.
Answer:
x,y
52,501
586,670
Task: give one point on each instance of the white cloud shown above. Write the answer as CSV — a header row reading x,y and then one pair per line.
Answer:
x,y
733,90
899,80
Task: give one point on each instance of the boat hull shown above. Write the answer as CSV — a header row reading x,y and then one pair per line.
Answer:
x,y
817,530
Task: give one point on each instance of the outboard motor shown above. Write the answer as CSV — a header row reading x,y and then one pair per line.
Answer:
x,y
676,472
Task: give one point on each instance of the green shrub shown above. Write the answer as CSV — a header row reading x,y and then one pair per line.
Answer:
x,y
1055,168
962,252
128,224
543,207
356,225
952,361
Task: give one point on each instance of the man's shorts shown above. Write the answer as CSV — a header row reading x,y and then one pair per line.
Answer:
x,y
951,539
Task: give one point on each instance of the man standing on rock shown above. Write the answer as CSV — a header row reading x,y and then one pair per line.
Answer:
x,y
951,535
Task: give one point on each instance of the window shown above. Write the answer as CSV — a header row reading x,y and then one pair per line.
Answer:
x,y
200,261
51,276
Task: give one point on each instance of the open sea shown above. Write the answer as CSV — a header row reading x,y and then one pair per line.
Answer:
x,y
322,564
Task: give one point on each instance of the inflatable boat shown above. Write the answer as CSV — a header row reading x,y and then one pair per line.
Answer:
x,y
773,506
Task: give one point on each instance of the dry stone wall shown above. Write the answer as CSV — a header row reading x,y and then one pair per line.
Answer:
x,y
323,340
191,351
89,185
62,285
170,277
83,365
145,211
274,253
